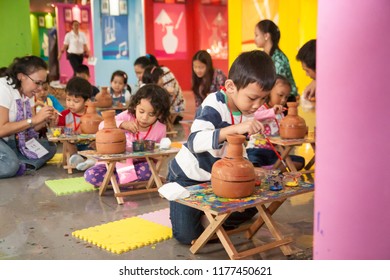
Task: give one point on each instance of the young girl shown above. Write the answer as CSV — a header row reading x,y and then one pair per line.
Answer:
x,y
170,83
267,36
153,75
119,89
145,118
270,114
205,79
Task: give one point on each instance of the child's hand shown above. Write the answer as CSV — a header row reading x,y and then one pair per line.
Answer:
x,y
278,109
131,126
250,126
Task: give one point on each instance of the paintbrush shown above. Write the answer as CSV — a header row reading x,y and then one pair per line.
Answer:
x,y
276,152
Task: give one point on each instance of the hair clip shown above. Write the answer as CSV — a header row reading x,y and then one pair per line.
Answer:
x,y
147,55
151,71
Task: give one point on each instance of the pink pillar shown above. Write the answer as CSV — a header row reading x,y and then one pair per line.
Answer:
x,y
352,196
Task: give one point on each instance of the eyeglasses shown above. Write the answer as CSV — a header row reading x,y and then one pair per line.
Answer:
x,y
38,83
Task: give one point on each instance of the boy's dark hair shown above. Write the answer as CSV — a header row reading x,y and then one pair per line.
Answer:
x,y
25,65
79,87
158,97
253,67
82,69
268,26
307,54
152,74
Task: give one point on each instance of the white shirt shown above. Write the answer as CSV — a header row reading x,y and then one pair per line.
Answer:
x,y
8,97
75,42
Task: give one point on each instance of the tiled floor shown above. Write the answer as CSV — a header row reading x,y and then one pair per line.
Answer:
x,y
36,224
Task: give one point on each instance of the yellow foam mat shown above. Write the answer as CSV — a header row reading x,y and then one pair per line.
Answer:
x,y
124,235
57,159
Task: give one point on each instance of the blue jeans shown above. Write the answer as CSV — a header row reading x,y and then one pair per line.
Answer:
x,y
186,221
11,158
264,157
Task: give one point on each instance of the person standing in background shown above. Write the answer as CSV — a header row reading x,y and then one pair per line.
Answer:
x,y
75,45
267,36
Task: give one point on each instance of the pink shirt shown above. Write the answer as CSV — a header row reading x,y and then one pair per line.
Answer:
x,y
158,131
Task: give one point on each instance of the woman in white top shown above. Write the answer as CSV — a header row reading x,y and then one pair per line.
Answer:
x,y
21,81
75,45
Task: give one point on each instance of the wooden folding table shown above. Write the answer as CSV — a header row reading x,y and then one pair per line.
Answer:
x,y
286,145
217,210
154,159
69,146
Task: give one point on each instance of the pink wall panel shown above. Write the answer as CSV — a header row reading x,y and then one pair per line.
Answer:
x,y
352,197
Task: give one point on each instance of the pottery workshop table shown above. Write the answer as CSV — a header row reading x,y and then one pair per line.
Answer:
x,y
154,159
217,210
68,143
286,145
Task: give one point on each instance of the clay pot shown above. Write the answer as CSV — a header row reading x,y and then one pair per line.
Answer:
x,y
111,139
90,121
233,176
103,98
292,126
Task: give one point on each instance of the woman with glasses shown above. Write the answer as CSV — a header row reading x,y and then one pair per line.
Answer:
x,y
19,147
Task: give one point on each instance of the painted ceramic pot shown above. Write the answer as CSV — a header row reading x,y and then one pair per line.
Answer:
x,y
103,98
111,139
90,120
292,126
233,176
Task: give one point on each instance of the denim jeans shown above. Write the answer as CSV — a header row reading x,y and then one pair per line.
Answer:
x,y
186,221
11,158
264,157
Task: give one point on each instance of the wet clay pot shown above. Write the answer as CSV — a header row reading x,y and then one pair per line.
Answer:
x,y
90,120
111,139
103,98
233,176
292,126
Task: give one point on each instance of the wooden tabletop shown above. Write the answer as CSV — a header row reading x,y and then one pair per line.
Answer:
x,y
118,157
203,198
72,138
290,142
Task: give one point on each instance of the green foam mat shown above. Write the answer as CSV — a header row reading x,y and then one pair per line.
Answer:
x,y
69,186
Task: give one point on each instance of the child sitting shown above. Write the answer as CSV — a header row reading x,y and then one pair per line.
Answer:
x,y
260,153
144,120
78,91
119,89
43,98
227,111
